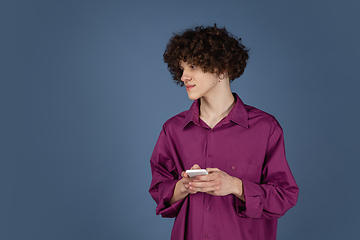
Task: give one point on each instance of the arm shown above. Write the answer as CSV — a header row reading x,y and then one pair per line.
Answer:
x,y
180,192
271,198
277,191
238,189
164,177
218,183
182,187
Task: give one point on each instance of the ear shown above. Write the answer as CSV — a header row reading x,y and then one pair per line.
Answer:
x,y
223,75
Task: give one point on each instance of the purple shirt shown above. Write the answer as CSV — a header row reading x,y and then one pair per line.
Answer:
x,y
247,144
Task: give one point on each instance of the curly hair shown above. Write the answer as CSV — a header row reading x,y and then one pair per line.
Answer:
x,y
213,49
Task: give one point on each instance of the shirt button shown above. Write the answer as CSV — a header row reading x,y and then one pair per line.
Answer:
x,y
233,167
211,130
208,208
210,155
206,236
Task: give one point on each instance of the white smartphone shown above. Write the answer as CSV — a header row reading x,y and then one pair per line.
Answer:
x,y
195,172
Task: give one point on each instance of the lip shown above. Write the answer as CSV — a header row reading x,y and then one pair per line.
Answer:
x,y
188,87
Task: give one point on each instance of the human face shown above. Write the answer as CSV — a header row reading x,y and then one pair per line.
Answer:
x,y
198,84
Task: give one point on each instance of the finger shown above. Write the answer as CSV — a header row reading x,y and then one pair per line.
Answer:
x,y
202,189
209,177
203,178
201,185
212,193
185,180
195,166
210,170
190,189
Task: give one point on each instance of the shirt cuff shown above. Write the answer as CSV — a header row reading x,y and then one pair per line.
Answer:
x,y
252,207
164,207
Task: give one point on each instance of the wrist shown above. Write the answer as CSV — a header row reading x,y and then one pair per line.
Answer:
x,y
180,192
238,189
181,186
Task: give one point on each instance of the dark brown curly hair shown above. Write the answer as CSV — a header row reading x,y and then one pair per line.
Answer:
x,y
213,49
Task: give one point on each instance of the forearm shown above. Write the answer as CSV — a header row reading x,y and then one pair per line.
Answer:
x,y
179,192
238,189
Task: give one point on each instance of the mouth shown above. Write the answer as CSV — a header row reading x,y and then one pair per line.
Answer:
x,y
188,87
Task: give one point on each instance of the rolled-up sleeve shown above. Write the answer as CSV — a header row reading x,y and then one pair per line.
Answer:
x,y
164,178
277,191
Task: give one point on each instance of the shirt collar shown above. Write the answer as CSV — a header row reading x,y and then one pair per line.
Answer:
x,y
238,114
192,114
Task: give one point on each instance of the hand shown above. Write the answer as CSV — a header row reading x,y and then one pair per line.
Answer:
x,y
186,179
182,187
217,183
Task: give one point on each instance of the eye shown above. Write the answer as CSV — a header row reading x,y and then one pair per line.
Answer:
x,y
192,66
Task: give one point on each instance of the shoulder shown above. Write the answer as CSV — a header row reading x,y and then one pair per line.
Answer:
x,y
175,122
262,119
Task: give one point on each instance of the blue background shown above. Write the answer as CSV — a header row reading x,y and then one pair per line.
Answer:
x,y
84,93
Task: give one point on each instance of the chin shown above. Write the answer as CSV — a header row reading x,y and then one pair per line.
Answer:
x,y
192,97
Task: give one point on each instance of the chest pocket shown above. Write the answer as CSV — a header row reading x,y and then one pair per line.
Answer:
x,y
246,171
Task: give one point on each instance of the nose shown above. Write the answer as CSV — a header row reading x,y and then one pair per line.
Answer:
x,y
185,77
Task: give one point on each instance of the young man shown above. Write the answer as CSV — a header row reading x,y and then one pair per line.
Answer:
x,y
249,185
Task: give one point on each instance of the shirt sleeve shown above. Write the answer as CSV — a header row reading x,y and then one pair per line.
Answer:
x,y
277,191
164,177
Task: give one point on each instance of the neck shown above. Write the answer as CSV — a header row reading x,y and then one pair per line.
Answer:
x,y
216,107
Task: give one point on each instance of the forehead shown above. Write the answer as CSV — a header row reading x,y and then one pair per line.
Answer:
x,y
183,64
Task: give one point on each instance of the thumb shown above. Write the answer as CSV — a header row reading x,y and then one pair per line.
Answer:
x,y
195,167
